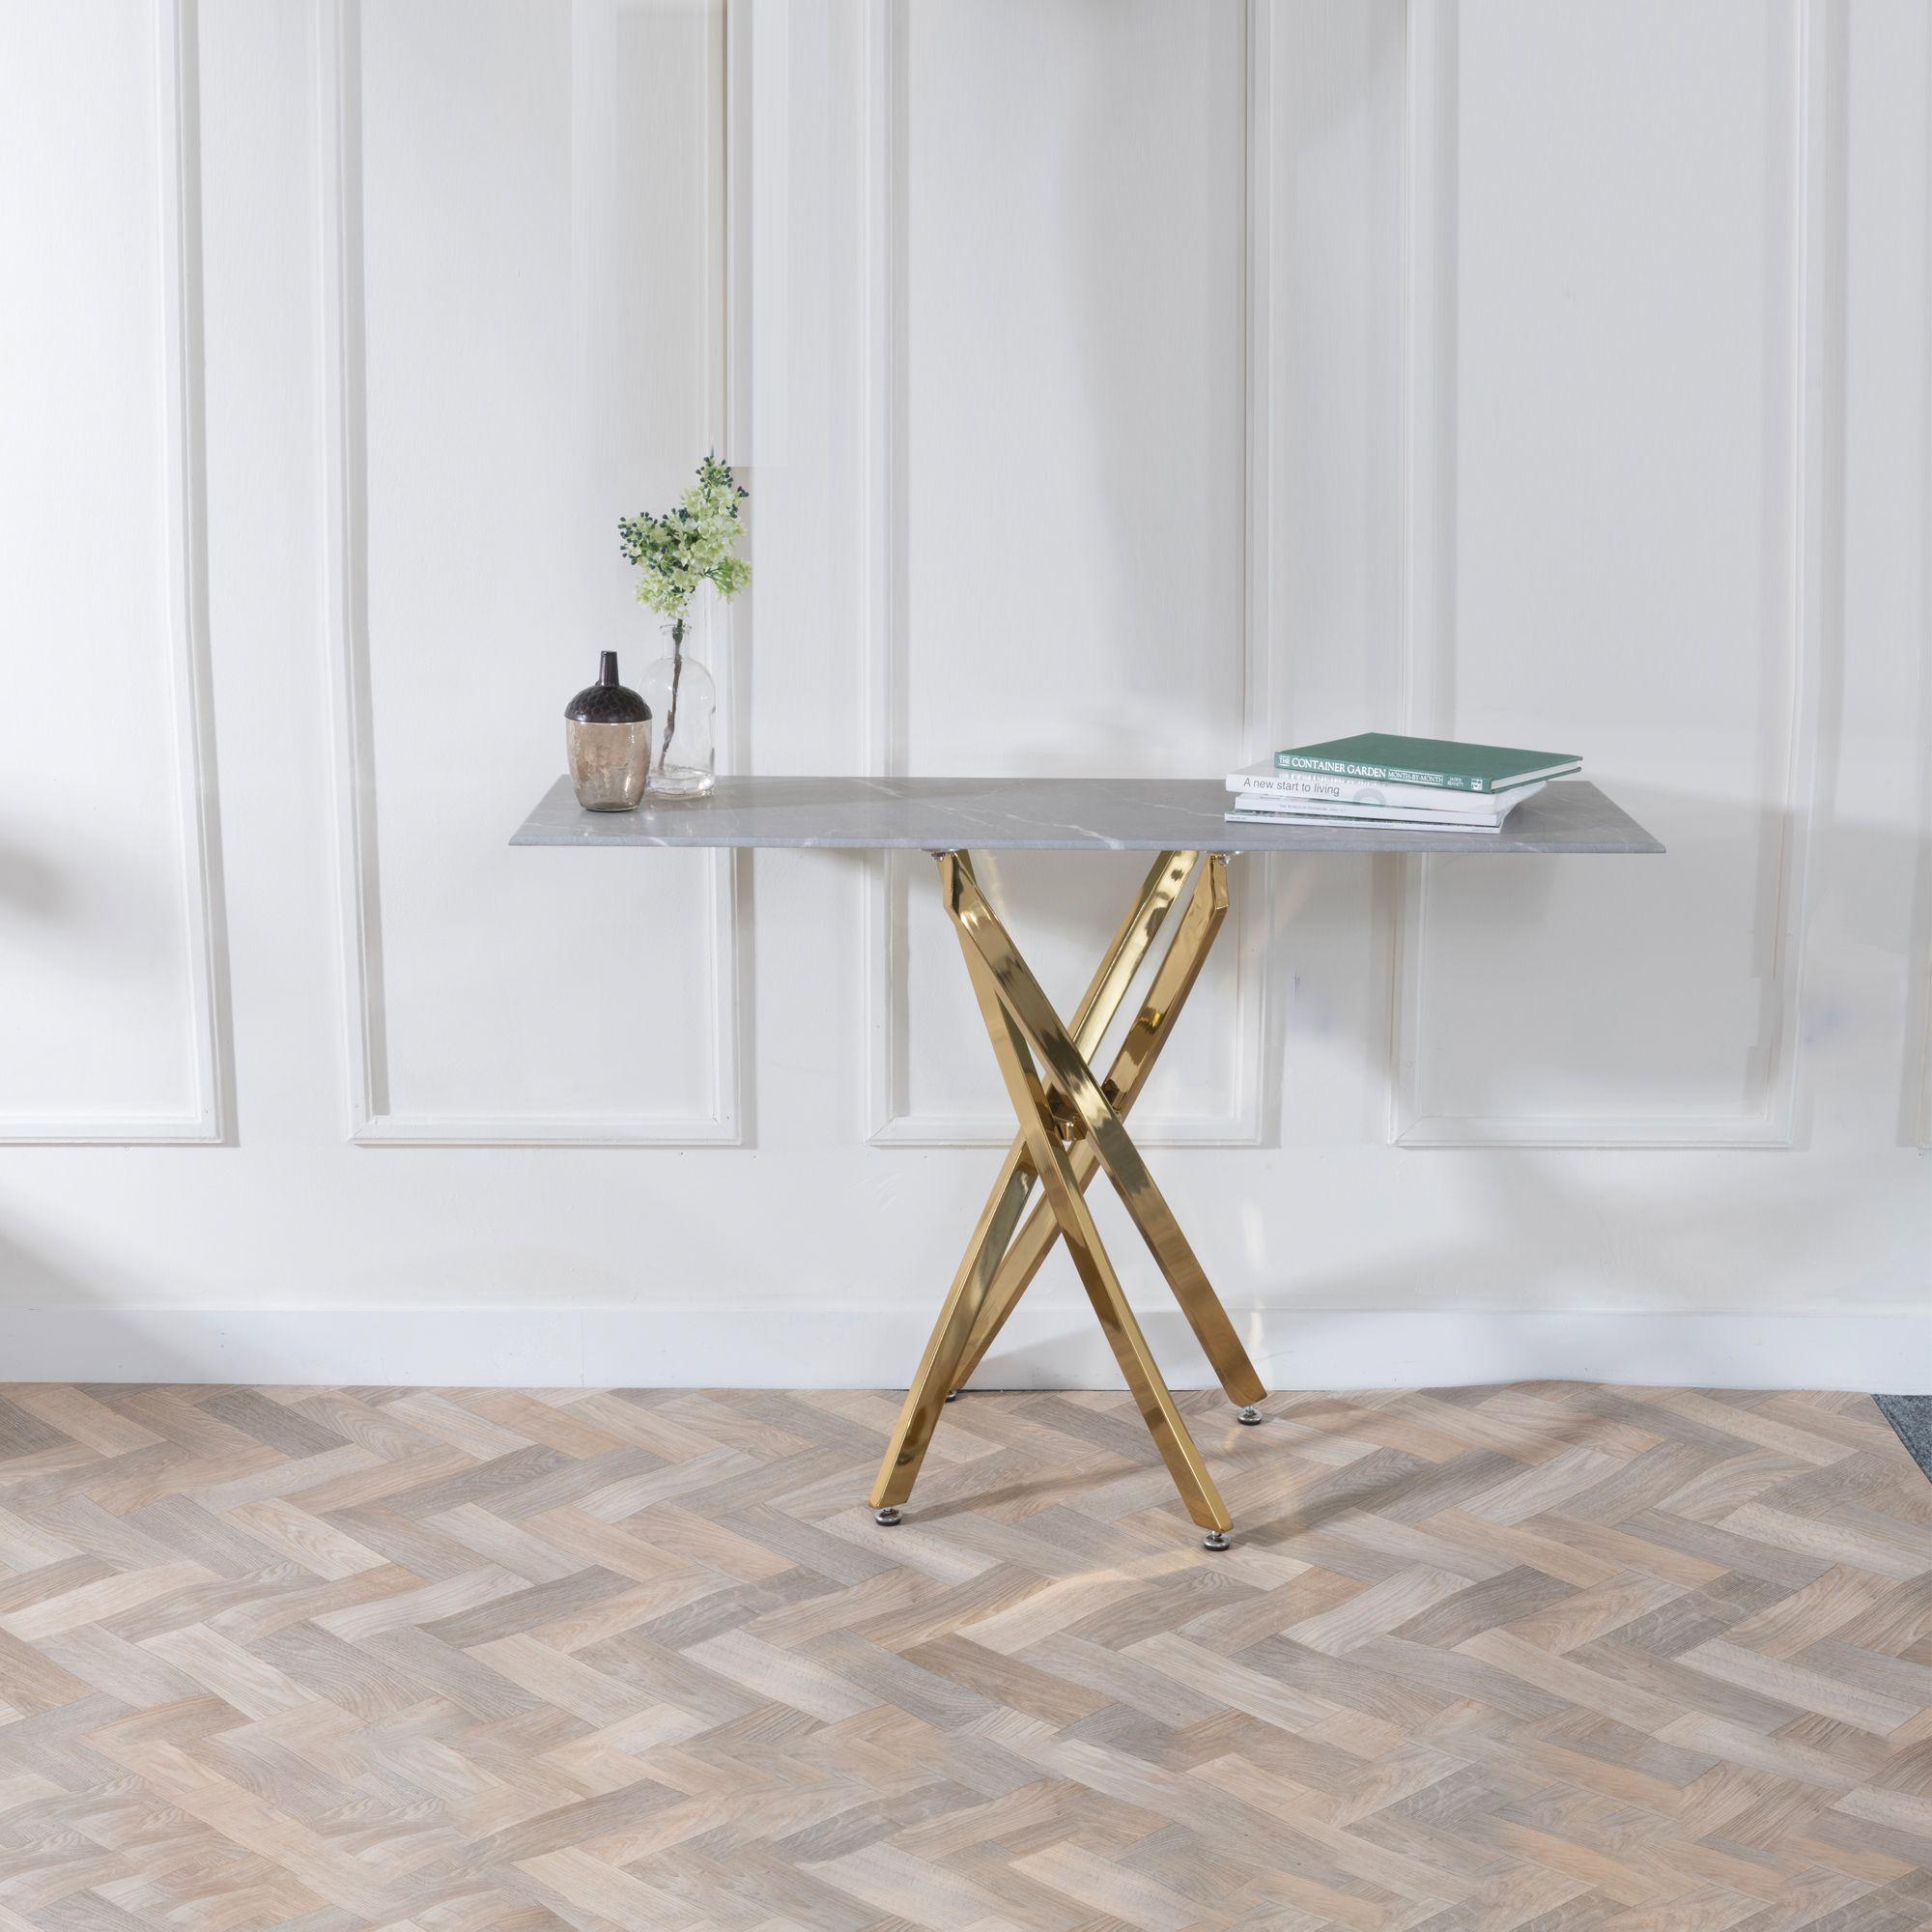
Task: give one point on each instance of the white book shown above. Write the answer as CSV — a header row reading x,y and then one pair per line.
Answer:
x,y
1256,784
1364,814
1487,816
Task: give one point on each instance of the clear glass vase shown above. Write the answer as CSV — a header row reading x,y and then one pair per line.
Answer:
x,y
683,710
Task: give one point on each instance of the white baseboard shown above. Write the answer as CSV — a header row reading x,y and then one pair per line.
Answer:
x,y
733,1344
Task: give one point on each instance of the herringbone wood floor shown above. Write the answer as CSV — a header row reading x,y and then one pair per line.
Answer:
x,y
1545,1657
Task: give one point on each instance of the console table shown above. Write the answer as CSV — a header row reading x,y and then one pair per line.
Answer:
x,y
1071,1114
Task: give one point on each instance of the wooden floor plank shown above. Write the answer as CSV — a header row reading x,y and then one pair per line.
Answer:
x,y
1548,1657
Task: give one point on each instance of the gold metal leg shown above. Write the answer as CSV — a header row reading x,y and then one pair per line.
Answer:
x,y
1166,878
939,1371
1083,1240
938,1365
1066,1069
1151,1031
1070,1129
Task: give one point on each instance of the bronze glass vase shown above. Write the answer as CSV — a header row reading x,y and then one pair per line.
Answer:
x,y
607,731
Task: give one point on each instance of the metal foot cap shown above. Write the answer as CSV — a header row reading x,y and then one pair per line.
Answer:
x,y
1250,1416
1216,1538
952,1395
885,1517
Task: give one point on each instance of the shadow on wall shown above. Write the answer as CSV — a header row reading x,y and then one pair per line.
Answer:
x,y
62,919
1857,889
53,1328
28,884
1681,1256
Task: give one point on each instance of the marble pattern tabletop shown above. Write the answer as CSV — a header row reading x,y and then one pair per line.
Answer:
x,y
1048,814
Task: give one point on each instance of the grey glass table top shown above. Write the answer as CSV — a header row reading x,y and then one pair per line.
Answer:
x,y
1048,815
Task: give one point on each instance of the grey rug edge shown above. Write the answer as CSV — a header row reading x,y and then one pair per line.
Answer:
x,y
1911,1419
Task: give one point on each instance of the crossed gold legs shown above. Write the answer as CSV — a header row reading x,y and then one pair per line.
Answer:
x,y
1071,1127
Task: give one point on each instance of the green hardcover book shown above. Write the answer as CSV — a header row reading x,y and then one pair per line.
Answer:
x,y
1392,759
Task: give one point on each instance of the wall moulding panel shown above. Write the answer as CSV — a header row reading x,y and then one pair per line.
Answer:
x,y
1918,1076
560,986
203,1118
1790,560
901,652
1923,1123
1919,981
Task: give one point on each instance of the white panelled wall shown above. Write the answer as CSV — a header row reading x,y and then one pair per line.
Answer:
x,y
1119,387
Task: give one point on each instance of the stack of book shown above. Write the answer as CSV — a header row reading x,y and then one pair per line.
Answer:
x,y
1376,778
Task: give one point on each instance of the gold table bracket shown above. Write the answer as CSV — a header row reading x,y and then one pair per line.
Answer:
x,y
1071,1126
